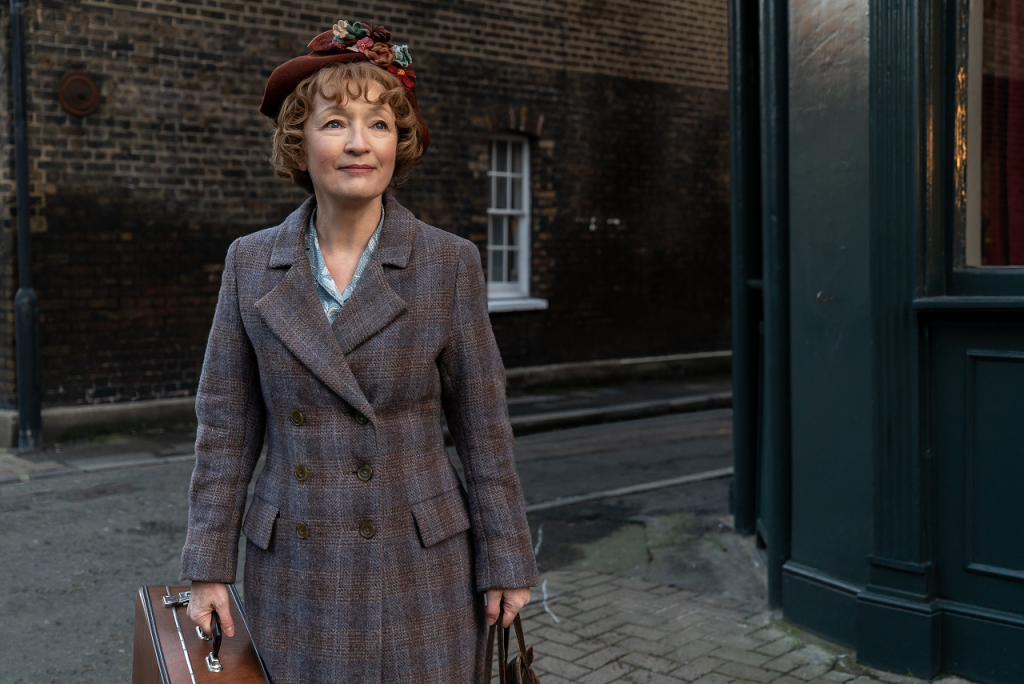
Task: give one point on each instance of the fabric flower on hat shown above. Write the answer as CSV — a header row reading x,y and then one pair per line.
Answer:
x,y
402,56
379,33
357,30
380,54
341,30
364,44
406,76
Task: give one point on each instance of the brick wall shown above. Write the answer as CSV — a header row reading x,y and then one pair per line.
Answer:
x,y
135,205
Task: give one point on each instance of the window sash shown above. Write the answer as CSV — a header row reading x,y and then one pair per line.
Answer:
x,y
508,177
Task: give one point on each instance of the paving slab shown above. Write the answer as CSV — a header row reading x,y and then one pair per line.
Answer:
x,y
731,648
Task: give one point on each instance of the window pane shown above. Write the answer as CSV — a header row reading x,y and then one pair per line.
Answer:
x,y
501,156
513,265
497,231
501,192
513,226
497,269
1002,124
517,193
517,157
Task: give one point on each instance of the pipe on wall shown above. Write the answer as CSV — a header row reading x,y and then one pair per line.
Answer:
x,y
777,485
26,305
745,236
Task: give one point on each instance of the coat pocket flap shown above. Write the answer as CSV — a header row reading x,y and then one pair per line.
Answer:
x,y
441,516
259,522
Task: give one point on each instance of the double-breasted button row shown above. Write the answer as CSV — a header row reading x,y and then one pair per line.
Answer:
x,y
365,472
366,530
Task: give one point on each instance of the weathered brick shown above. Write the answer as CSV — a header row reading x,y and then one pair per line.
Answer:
x,y
602,656
777,647
642,632
599,627
561,667
740,655
134,206
692,650
713,678
647,677
646,646
557,635
608,673
650,662
748,672
809,672
697,668
559,650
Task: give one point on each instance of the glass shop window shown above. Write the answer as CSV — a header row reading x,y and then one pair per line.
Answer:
x,y
995,134
508,216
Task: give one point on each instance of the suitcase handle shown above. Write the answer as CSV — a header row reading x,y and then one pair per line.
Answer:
x,y
213,663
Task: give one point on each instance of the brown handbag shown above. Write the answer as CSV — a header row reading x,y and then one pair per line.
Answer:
x,y
518,671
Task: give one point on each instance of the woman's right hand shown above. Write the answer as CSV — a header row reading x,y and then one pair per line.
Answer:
x,y
209,597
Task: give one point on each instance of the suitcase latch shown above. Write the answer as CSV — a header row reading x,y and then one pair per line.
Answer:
x,y
180,600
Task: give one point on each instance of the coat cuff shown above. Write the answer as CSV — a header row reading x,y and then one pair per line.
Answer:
x,y
509,571
196,567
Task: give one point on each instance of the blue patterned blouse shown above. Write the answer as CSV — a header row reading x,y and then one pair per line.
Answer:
x,y
326,289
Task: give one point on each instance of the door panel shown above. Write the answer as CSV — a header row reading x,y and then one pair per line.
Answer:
x,y
976,436
994,472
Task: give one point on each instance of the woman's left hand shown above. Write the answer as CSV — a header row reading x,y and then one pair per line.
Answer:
x,y
509,600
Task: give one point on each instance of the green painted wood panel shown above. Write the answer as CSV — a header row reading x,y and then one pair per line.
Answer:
x,y
976,434
829,296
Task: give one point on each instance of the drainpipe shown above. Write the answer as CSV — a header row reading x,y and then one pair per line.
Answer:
x,y
775,225
745,232
26,306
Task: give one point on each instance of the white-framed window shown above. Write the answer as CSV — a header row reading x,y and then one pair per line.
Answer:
x,y
508,226
508,219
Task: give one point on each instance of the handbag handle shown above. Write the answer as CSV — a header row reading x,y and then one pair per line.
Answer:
x,y
502,646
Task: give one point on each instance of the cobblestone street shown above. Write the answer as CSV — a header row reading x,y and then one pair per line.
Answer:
x,y
598,628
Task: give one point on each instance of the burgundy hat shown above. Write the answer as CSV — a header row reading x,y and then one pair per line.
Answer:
x,y
355,42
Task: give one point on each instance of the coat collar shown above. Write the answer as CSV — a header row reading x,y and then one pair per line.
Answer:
x,y
395,240
293,312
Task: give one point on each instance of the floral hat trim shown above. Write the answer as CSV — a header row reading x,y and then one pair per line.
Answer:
x,y
371,40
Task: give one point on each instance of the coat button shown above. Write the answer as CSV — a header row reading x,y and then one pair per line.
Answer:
x,y
297,417
302,530
361,419
301,473
365,472
367,530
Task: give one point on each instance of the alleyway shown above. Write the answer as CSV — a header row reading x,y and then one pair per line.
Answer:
x,y
653,587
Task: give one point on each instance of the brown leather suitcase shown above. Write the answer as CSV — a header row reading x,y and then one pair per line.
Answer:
x,y
168,648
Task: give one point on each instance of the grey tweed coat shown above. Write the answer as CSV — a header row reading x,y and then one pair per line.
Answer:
x,y
366,558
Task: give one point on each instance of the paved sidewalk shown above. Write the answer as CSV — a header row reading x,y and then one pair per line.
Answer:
x,y
598,629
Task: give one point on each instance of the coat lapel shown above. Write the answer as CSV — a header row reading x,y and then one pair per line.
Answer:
x,y
293,312
374,303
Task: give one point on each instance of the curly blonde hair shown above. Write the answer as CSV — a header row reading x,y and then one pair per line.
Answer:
x,y
342,81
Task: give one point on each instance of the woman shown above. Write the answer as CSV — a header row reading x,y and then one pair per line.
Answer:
x,y
338,337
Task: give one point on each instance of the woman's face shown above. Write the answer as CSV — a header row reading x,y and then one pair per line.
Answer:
x,y
351,147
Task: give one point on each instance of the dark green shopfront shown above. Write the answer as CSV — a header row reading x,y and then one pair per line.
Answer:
x,y
877,180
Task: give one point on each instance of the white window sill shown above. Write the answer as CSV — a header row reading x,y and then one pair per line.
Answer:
x,y
516,304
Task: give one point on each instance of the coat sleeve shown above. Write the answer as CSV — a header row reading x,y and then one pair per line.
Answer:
x,y
473,393
229,439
